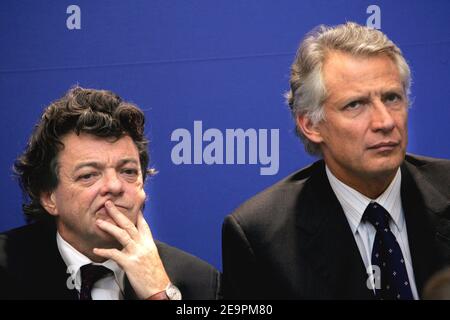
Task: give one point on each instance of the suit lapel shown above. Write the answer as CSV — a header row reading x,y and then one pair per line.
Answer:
x,y
50,271
327,241
424,215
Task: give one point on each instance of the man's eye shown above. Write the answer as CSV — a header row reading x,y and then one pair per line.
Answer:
x,y
353,105
130,172
392,97
87,176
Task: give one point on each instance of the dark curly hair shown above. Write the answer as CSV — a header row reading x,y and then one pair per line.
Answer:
x,y
98,112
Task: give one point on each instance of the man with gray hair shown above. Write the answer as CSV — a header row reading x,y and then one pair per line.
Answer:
x,y
366,221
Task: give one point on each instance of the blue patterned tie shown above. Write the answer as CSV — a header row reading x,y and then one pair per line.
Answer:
x,y
90,274
387,255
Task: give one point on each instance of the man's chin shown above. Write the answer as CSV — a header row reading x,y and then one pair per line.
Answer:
x,y
384,166
104,240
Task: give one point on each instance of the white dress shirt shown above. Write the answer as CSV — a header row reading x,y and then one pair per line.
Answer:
x,y
354,204
108,288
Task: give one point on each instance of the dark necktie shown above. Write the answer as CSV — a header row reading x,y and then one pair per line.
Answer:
x,y
387,255
89,275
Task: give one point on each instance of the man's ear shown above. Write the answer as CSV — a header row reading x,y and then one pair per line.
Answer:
x,y
49,203
309,129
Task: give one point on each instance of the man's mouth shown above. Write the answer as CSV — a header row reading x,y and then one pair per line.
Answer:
x,y
384,146
103,212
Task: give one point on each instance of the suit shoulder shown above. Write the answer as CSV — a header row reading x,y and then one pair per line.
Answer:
x,y
20,250
23,231
277,199
435,171
423,162
30,238
432,178
195,278
23,236
180,257
27,236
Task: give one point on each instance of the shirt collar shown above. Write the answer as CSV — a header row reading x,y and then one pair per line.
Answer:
x,y
355,203
74,260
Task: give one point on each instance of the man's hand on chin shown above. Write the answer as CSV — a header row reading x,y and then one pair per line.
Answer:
x,y
139,257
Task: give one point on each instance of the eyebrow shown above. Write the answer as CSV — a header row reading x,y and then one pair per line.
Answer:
x,y
98,165
362,96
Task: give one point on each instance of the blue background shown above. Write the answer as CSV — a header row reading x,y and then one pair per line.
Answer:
x,y
224,62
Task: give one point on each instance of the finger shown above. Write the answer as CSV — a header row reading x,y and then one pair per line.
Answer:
x,y
143,226
121,220
112,254
120,234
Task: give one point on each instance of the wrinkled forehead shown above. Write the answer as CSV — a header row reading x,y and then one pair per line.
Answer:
x,y
345,72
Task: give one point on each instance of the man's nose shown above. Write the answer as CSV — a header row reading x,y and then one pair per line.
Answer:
x,y
112,183
382,119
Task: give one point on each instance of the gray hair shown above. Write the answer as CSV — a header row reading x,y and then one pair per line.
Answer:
x,y
307,88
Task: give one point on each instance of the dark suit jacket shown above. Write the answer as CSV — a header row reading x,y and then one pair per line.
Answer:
x,y
32,268
293,241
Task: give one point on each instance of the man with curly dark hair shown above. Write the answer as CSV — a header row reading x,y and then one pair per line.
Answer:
x,y
83,174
